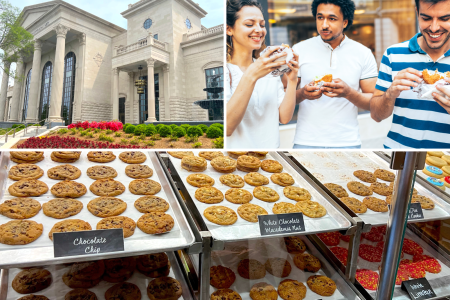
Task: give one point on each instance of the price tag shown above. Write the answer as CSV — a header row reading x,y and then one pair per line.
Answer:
x,y
418,289
87,242
281,224
415,211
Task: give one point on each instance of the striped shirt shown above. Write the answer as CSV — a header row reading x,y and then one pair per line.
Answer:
x,y
416,123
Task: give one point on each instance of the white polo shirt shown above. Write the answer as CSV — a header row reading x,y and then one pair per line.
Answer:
x,y
331,121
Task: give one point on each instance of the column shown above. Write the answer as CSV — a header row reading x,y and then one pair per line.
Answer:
x,y
15,100
79,85
58,75
33,96
130,98
166,69
151,90
115,95
4,88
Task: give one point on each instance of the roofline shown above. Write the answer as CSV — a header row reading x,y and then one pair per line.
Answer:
x,y
140,3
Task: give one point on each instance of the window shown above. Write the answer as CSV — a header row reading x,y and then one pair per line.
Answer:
x,y
148,23
156,96
45,91
69,88
122,110
155,36
188,23
27,92
214,78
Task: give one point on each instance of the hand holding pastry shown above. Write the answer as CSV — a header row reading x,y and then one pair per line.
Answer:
x,y
265,64
336,88
441,100
404,81
294,66
310,91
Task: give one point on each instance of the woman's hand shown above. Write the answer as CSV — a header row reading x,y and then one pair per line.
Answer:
x,y
294,66
265,64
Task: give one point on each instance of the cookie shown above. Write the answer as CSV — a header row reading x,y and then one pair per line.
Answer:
x,y
101,156
154,261
225,294
236,154
382,188
341,254
436,161
271,166
359,188
336,189
123,291
67,154
87,270
374,235
415,270
127,224
180,154
62,160
425,202
221,277
68,189
138,171
223,164
164,288
278,267
132,157
20,208
436,182
446,158
265,194
330,238
307,262
289,289
231,180
311,209
238,196
436,153
80,294
258,154
285,208
27,155
37,297
64,172
411,247
375,204
262,290
221,215
144,187
155,223
103,207
250,212
365,176
61,208
283,179
25,171
102,172
384,175
108,187
148,204
370,253
367,278
209,195
119,268
354,204
247,163
200,180
296,193
433,171
69,226
294,245
31,280
251,269
20,232
210,155
74,283
321,285
194,163
256,179
28,188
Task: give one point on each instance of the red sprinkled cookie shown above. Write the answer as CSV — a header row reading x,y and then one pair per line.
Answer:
x,y
375,234
367,278
429,263
411,247
402,275
370,253
405,262
345,238
415,270
341,254
330,238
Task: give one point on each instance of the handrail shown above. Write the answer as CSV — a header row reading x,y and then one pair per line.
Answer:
x,y
25,128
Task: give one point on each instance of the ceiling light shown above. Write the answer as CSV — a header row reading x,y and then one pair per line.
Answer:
x,y
359,11
282,11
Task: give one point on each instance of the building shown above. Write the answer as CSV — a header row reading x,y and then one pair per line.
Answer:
x,y
85,68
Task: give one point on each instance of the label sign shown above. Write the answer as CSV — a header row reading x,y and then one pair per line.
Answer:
x,y
415,211
418,289
281,224
87,242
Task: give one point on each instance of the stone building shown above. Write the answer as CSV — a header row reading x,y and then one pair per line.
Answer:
x,y
85,68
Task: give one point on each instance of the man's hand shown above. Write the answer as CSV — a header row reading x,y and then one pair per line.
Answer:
x,y
442,101
310,92
337,88
403,81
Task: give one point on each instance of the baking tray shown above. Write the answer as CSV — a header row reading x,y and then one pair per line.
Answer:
x,y
40,252
58,289
334,220
338,167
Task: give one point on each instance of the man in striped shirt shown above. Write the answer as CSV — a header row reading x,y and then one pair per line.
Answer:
x,y
416,123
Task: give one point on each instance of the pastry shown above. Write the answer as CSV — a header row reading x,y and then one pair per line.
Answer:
x,y
209,155
20,232
436,182
324,78
31,280
375,204
225,294
446,158
250,212
20,208
369,279
322,285
123,291
180,154
384,175
247,163
87,270
209,195
285,208
74,283
164,288
138,171
294,245
221,215
223,164
431,77
221,277
296,193
102,172
62,160
359,188
25,171
69,155
28,188
103,207
370,253
311,209
446,170
69,226
27,155
262,290
425,202
365,176
382,188
19,161
155,223
436,161
336,189
238,196
61,208
283,179
200,180
341,253
271,166
258,154
307,262
108,187
354,204
154,261
231,180
68,189
436,153
119,269
278,267
266,194
194,163
330,238
80,294
256,179
446,181
236,154
132,157
251,269
64,172
101,156
144,187
126,223
290,289
433,171
148,204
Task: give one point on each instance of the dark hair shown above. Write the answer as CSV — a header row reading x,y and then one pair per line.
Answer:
x,y
233,7
431,2
347,8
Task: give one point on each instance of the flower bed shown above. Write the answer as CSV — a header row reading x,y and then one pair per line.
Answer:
x,y
112,125
57,142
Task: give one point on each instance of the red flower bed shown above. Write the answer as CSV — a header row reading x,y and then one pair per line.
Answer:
x,y
57,142
112,125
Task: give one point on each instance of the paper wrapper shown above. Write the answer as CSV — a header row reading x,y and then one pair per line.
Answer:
x,y
284,68
425,91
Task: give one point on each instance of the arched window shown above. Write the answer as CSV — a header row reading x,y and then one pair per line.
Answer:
x,y
45,91
69,88
27,92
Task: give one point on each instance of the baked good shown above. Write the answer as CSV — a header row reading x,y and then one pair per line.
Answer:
x,y
359,188
384,175
311,209
307,262
148,204
283,179
69,226
68,189
296,193
446,158
75,283
247,163
433,171
119,269
285,208
430,77
209,155
365,176
108,187
209,195
27,155
250,212
155,223
126,223
336,189
256,179
78,294
278,267
330,238
61,208
225,294
164,288
436,182
154,261
321,285
263,291
138,171
232,180
20,208
25,171
194,163
62,160
294,245
375,204
221,215
28,188
69,155
236,154
354,204
223,164
382,188
446,181
266,194
221,277
271,166
238,196
31,281
425,202
180,154
103,207
369,279
102,172
20,232
290,289
19,161
123,291
251,269
144,187
132,157
101,156
324,78
258,154
436,161
87,270
436,153
64,172
200,180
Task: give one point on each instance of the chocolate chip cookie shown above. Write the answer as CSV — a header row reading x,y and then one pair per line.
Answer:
x,y
285,208
336,189
359,188
294,245
155,223
106,206
63,160
138,171
164,288
425,202
227,294
148,204
375,204
232,180
296,193
127,224
20,208
283,179
278,267
102,172
200,180
144,187
194,163
354,204
256,179
384,175
180,154
209,195
221,215
25,171
34,297
311,209
28,188
290,289
69,226
74,283
68,189
236,154
64,172
247,163
223,164
26,156
123,291
20,232
80,294
107,187
154,261
101,156
266,194
221,277
61,208
119,269
263,291
321,285
238,196
31,281
382,188
271,166
365,176
210,155
250,212
69,155
307,262
258,154
251,269
132,157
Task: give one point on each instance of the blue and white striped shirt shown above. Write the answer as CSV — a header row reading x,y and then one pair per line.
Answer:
x,y
416,123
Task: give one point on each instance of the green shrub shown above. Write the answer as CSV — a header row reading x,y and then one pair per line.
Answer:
x,y
197,145
165,131
155,137
73,131
217,125
178,132
109,131
203,127
15,126
118,134
190,139
104,137
194,131
185,126
124,141
142,136
140,129
135,141
97,130
130,129
173,137
125,126
80,129
83,133
130,136
173,126
150,143
214,132
90,135
61,131
158,127
150,129
218,143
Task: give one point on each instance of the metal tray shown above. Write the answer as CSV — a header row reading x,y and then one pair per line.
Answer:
x,y
40,252
338,167
334,220
58,289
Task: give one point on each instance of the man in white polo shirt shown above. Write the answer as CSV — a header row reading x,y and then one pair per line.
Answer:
x,y
327,118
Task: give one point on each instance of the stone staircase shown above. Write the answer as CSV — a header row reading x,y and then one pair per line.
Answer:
x,y
31,131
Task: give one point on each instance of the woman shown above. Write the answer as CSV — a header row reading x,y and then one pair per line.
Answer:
x,y
256,101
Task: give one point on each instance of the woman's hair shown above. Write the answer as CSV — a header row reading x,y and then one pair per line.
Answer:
x,y
233,8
